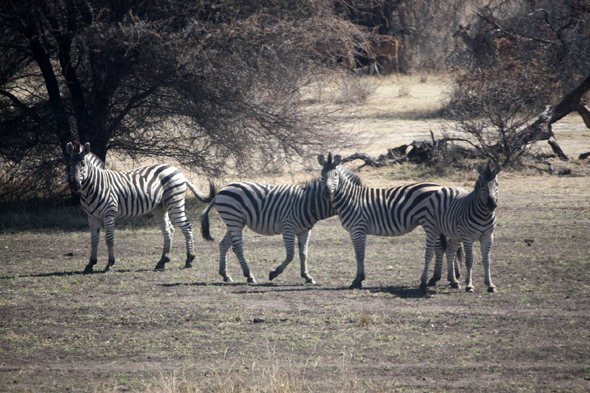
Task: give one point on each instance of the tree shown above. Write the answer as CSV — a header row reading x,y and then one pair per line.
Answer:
x,y
214,85
534,53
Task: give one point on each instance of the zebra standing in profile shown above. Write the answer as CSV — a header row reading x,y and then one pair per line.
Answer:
x,y
268,210
464,217
106,195
374,211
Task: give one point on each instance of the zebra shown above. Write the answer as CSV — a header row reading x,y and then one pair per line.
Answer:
x,y
106,195
268,210
374,211
464,217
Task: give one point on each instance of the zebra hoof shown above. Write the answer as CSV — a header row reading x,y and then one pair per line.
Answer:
x,y
88,270
423,288
251,280
160,267
272,275
310,280
455,285
491,289
469,289
109,269
228,279
356,285
189,262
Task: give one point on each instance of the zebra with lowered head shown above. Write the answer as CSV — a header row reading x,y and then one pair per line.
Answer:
x,y
373,211
464,217
106,195
266,209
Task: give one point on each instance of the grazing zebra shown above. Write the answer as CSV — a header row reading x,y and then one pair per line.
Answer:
x,y
464,217
374,211
106,195
268,210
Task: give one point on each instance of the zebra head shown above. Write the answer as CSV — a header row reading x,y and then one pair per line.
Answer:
x,y
487,185
78,164
330,175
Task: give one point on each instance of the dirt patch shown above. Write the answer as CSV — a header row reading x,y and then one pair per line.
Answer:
x,y
140,330
183,330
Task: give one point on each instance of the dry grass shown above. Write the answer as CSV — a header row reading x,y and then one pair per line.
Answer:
x,y
183,331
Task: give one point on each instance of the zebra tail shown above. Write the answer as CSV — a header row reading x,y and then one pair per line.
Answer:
x,y
205,223
201,195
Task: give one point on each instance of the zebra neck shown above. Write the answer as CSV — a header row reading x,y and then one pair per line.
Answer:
x,y
320,208
478,206
345,193
95,176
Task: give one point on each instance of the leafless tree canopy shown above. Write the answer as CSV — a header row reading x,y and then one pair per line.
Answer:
x,y
215,85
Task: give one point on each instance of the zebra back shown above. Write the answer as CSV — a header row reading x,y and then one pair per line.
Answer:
x,y
378,211
267,208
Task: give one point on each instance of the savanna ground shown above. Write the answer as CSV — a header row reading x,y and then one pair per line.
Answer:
x,y
183,330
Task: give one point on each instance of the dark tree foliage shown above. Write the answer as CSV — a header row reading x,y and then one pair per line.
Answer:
x,y
215,85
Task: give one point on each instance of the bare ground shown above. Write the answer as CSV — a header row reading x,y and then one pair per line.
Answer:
x,y
183,330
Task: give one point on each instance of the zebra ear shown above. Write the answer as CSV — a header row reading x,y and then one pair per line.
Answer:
x,y
480,169
70,148
321,160
87,148
337,159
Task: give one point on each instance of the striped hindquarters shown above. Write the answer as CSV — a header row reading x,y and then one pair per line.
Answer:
x,y
266,209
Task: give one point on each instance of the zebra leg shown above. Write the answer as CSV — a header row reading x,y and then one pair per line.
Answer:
x,y
486,247
452,248
289,241
468,245
109,229
179,217
161,216
94,224
223,249
303,243
459,261
428,253
359,237
236,236
439,249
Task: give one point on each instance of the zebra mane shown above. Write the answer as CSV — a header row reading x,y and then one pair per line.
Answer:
x,y
350,175
95,160
91,158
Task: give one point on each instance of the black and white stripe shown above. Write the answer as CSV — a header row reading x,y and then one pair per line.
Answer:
x,y
106,195
266,209
372,211
464,217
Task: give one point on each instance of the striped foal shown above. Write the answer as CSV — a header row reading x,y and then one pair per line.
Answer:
x,y
464,217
